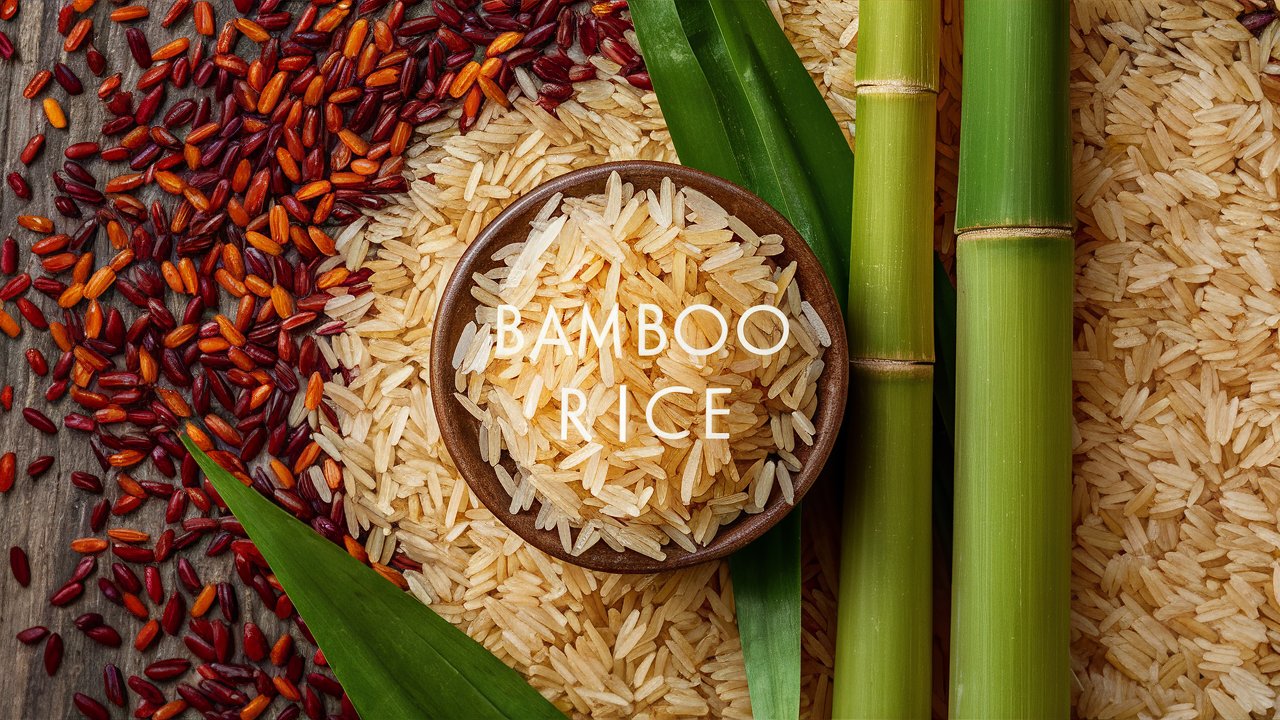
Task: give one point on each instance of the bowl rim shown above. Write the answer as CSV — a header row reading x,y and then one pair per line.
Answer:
x,y
480,477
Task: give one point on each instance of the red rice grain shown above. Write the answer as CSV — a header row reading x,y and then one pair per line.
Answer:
x,y
167,669
339,93
33,635
89,707
39,466
113,685
8,470
20,566
53,654
39,420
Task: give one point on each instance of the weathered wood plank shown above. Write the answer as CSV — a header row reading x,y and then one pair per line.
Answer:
x,y
45,515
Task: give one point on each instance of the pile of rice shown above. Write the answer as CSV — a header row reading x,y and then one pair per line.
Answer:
x,y
596,644
579,281
1176,574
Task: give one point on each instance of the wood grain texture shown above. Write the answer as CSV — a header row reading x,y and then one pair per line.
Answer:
x,y
45,515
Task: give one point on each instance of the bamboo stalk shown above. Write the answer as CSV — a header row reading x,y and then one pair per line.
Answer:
x,y
1013,406
883,646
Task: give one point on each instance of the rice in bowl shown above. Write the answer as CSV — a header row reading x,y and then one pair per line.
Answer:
x,y
641,473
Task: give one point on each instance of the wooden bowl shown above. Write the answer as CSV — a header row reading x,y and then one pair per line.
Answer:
x,y
461,431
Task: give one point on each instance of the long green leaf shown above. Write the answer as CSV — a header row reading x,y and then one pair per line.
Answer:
x,y
766,594
740,104
696,129
395,657
730,81
808,173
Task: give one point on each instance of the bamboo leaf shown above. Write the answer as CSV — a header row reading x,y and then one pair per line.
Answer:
x,y
696,127
766,593
730,81
740,104
807,173
395,657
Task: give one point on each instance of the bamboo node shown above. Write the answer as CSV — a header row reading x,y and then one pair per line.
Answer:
x,y
894,87
887,364
1009,233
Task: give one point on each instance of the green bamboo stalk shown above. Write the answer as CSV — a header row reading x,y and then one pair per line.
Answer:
x,y
883,646
1013,406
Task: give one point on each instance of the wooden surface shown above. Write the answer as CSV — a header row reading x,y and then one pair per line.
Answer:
x,y
45,515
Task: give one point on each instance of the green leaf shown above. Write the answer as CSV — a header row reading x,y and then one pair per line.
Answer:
x,y
740,104
766,594
696,127
807,168
394,656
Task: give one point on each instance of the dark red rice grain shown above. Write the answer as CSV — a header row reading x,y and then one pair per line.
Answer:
x,y
19,185
96,61
20,566
87,621
9,255
39,466
90,708
87,482
174,611
139,48
187,572
125,577
145,690
154,585
1256,21
167,669
53,654
39,420
67,78
104,635
66,594
98,516
113,685
33,635
84,568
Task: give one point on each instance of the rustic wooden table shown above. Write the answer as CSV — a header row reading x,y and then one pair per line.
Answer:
x,y
44,515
